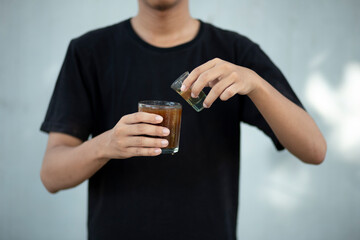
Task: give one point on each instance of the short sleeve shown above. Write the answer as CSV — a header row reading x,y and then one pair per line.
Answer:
x,y
70,108
259,62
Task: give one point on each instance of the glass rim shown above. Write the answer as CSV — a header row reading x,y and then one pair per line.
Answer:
x,y
159,104
175,85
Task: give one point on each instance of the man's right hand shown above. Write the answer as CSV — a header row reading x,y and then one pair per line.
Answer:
x,y
68,161
127,139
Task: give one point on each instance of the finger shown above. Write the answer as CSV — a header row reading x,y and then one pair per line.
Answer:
x,y
217,90
196,73
147,142
139,151
205,78
147,129
229,92
212,83
142,117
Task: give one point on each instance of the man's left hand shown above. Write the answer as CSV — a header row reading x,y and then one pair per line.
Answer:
x,y
225,79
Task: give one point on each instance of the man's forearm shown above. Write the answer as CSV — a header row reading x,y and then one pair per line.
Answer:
x,y
66,166
294,128
68,161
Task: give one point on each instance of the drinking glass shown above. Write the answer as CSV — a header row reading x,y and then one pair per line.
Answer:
x,y
171,113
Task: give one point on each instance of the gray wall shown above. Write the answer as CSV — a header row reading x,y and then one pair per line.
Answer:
x,y
315,43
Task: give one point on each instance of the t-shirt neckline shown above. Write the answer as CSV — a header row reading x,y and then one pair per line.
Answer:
x,y
143,43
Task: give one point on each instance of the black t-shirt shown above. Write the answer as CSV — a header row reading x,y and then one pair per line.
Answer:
x,y
190,195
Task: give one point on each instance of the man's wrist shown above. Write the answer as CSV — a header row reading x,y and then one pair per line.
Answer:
x,y
99,148
260,87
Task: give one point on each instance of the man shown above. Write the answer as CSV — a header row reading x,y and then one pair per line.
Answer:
x,y
140,194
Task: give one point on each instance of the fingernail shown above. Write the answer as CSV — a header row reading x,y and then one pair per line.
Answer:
x,y
158,118
166,131
164,142
193,95
205,106
157,150
182,87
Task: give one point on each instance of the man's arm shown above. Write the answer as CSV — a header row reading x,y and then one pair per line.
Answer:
x,y
294,128
68,161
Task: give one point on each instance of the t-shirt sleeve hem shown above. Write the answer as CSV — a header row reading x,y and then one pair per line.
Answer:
x,y
273,138
73,130
278,145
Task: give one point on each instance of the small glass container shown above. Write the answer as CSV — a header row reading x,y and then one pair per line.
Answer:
x,y
196,103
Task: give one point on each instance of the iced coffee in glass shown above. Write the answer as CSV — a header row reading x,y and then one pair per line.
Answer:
x,y
171,113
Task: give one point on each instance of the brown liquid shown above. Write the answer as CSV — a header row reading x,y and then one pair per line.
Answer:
x,y
171,120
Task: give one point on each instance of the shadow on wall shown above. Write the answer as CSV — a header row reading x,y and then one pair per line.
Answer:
x,y
338,107
335,103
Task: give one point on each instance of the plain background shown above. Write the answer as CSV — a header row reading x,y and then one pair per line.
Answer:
x,y
314,43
